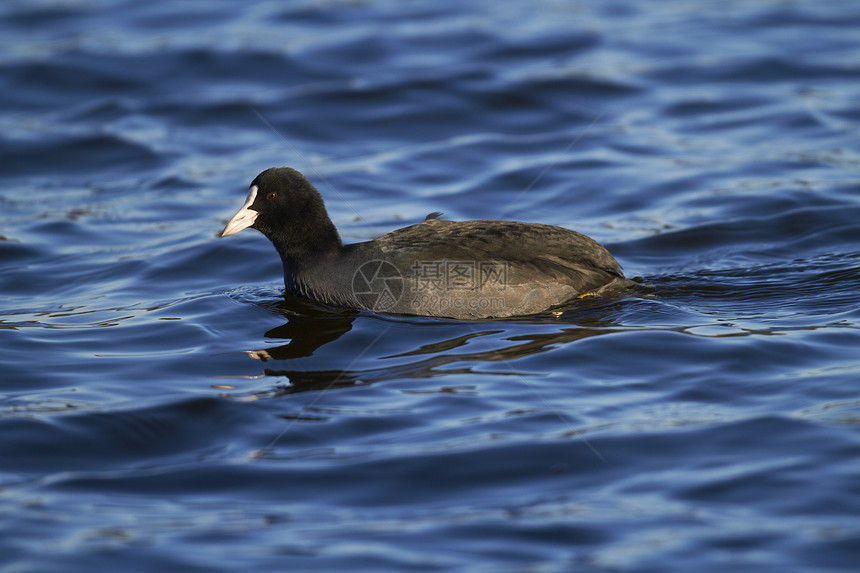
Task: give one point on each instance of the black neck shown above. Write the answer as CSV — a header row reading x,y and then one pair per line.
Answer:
x,y
299,246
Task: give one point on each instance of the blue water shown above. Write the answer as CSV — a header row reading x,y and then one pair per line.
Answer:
x,y
163,406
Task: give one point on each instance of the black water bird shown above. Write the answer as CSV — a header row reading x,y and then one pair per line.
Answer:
x,y
454,269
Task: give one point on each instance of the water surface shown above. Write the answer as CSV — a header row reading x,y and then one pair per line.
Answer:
x,y
164,407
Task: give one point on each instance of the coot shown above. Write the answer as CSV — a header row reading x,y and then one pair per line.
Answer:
x,y
455,269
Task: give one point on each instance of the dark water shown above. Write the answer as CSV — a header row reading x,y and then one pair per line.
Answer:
x,y
164,408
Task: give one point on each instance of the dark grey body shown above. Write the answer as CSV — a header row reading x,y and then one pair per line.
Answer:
x,y
462,270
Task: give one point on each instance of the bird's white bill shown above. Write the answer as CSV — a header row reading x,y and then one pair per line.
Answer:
x,y
245,217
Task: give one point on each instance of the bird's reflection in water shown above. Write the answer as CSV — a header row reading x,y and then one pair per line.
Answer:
x,y
309,327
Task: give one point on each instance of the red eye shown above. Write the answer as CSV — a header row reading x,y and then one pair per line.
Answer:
x,y
272,196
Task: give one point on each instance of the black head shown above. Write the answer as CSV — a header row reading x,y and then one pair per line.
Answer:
x,y
284,206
